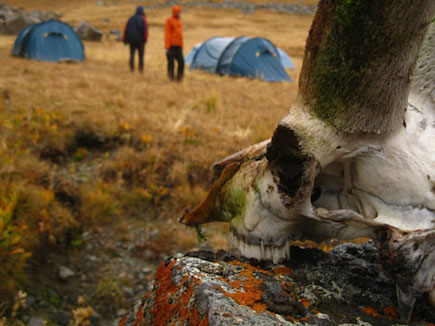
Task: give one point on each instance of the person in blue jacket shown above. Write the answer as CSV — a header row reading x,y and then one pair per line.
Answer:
x,y
136,34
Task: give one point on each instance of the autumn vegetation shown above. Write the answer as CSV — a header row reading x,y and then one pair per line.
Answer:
x,y
91,144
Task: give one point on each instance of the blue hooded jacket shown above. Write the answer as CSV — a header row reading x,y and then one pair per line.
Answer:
x,y
136,29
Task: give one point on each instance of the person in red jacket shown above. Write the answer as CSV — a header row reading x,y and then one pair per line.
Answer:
x,y
136,34
174,43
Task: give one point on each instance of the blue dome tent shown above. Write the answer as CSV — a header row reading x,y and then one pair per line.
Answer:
x,y
285,59
188,59
208,53
243,56
49,41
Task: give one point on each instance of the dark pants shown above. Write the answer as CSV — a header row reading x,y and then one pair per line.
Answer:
x,y
175,53
141,51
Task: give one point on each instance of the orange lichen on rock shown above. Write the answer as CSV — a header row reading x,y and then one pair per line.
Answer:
x,y
282,270
164,288
305,302
122,321
147,295
292,318
326,247
390,312
287,286
245,265
195,318
370,311
172,301
139,316
249,294
186,296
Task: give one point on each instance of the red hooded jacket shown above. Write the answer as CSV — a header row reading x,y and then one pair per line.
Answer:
x,y
174,29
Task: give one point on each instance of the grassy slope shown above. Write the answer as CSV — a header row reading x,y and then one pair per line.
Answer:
x,y
158,138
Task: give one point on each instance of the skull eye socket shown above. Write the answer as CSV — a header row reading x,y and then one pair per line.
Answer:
x,y
286,160
328,188
316,193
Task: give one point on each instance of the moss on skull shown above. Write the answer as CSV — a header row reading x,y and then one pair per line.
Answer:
x,y
234,206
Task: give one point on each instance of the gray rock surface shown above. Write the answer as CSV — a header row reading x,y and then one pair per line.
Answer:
x,y
117,33
7,12
36,321
245,7
88,32
13,20
341,287
60,317
65,273
15,24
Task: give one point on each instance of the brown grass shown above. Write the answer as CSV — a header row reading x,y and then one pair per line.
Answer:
x,y
88,143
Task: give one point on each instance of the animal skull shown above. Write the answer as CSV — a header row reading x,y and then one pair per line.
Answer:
x,y
319,180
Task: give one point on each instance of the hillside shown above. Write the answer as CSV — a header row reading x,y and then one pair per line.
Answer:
x,y
97,163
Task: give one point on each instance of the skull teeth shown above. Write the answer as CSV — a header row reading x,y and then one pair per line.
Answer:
x,y
276,254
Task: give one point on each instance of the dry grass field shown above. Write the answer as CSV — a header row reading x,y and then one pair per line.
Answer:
x,y
92,146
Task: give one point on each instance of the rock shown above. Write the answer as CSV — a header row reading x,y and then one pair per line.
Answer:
x,y
88,32
65,273
246,7
344,286
7,12
36,321
140,287
12,20
147,269
54,15
17,23
38,15
116,321
128,291
115,32
30,301
121,312
93,258
60,317
104,3
96,319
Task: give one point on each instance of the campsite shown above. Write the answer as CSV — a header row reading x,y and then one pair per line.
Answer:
x,y
99,162
285,179
49,41
241,57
